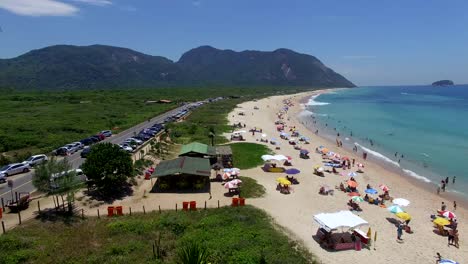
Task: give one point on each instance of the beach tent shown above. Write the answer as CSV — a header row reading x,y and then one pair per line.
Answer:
x,y
274,157
341,219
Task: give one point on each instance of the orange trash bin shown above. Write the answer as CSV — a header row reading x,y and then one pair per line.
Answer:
x,y
185,206
110,211
241,201
235,202
193,205
119,210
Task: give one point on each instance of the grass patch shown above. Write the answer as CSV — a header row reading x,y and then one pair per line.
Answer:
x,y
230,235
251,188
248,155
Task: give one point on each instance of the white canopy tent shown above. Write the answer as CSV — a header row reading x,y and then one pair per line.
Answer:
x,y
341,219
274,157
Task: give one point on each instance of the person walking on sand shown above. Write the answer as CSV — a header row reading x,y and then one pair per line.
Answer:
x,y
399,231
453,180
443,207
454,205
354,162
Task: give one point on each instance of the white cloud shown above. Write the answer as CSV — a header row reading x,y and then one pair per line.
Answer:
x,y
38,7
359,57
95,2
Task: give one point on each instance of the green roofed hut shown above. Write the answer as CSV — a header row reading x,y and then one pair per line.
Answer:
x,y
183,174
196,149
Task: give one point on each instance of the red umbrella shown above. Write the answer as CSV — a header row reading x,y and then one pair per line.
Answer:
x,y
289,158
354,194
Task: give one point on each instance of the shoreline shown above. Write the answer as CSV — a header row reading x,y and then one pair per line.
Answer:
x,y
429,187
294,212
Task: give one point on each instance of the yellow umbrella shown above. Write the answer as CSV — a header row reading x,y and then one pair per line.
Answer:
x,y
283,181
316,166
404,215
441,221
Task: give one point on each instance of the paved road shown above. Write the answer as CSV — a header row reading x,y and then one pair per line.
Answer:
x,y
23,182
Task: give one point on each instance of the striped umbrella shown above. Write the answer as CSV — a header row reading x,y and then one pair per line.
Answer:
x,y
448,214
395,209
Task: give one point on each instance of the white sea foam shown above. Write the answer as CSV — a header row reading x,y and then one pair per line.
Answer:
x,y
425,154
313,102
377,155
417,176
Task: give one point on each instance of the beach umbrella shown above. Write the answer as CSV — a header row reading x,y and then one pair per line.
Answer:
x,y
292,171
264,135
289,158
384,187
448,214
304,151
352,184
324,150
236,181
371,191
345,158
352,174
395,209
283,180
403,215
354,194
357,199
273,139
401,202
441,221
360,165
226,175
284,134
320,169
230,185
303,138
329,153
239,132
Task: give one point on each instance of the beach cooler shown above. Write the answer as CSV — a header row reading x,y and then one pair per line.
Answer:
x,y
193,205
241,201
119,210
110,211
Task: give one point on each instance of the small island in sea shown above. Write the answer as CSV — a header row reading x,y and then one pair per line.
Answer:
x,y
443,83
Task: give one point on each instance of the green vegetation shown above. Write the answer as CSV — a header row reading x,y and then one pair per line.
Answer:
x,y
40,121
108,167
229,235
251,188
248,155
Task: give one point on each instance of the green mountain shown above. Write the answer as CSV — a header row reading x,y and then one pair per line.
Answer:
x,y
98,66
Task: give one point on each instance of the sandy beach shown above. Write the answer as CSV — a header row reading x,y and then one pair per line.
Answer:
x,y
295,211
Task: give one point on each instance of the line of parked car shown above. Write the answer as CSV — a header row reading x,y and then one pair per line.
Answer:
x,y
23,167
132,143
71,148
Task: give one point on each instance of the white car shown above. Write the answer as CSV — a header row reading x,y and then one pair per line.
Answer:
x,y
126,147
13,169
78,144
36,159
54,184
139,142
72,148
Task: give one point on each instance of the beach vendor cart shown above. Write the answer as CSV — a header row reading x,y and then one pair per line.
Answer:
x,y
340,231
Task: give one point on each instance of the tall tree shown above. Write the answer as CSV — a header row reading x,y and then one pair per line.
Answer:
x,y
108,167
57,177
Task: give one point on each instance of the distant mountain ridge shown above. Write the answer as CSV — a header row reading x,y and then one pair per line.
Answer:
x,y
99,66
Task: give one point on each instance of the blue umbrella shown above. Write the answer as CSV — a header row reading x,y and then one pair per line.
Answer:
x,y
371,191
273,139
304,151
292,171
447,261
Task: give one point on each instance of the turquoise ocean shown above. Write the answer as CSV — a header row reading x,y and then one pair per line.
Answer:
x,y
427,125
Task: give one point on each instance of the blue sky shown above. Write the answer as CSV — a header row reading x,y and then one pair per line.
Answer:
x,y
371,42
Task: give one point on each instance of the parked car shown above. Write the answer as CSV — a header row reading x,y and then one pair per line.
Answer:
x,y
2,179
87,141
149,132
106,133
36,159
72,148
13,169
85,152
54,184
62,151
139,142
126,147
78,145
143,136
95,138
